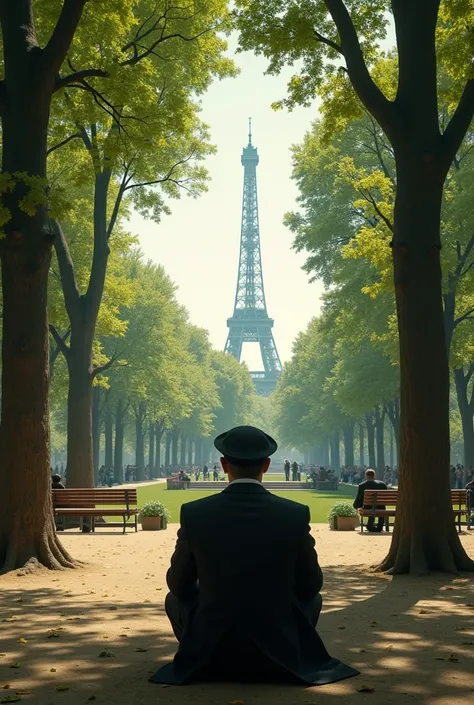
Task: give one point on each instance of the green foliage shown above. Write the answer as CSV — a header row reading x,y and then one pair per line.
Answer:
x,y
154,509
341,509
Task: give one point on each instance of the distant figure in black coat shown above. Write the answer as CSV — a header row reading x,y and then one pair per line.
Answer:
x,y
287,470
245,581
370,484
56,483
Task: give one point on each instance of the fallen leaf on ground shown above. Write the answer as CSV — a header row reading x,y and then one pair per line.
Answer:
x,y
6,686
62,688
460,629
15,664
365,689
92,697
467,643
341,626
22,641
113,608
362,651
52,670
389,647
140,650
11,699
23,692
423,612
146,600
105,636
106,654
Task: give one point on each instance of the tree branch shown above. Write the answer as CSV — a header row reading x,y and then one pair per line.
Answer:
x,y
54,353
60,340
329,42
58,46
465,317
455,132
67,273
100,369
368,197
78,76
63,142
370,95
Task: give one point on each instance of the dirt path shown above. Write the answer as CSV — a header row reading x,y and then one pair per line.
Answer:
x,y
412,639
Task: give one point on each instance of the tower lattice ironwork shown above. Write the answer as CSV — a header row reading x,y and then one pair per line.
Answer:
x,y
250,322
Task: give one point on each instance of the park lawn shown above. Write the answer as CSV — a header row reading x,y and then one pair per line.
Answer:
x,y
318,502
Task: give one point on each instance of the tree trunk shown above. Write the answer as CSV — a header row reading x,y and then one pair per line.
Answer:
x,y
190,451
182,450
361,445
109,440
174,447
198,451
465,410
369,421
151,450
119,435
326,445
425,537
140,441
159,435
80,471
348,431
393,411
336,451
26,521
96,431
167,449
380,436
392,458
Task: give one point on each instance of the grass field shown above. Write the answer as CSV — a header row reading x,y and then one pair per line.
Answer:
x,y
318,502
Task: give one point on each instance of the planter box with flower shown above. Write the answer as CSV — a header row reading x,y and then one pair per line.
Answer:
x,y
343,517
154,516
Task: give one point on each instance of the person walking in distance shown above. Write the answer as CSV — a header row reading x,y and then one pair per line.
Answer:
x,y
287,469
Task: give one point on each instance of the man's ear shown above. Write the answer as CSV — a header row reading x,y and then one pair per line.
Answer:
x,y
225,465
266,465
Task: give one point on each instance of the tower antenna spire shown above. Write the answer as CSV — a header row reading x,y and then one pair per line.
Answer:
x,y
250,130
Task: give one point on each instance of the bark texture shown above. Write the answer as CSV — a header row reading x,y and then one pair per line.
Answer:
x,y
27,532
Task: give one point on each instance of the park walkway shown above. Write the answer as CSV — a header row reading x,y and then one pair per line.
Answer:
x,y
100,631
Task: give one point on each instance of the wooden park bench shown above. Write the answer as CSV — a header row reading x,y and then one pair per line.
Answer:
x,y
389,499
97,503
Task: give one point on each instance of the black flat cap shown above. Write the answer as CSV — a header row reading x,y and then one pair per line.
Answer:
x,y
245,443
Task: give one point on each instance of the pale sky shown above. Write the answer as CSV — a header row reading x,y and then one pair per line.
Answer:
x,y
198,244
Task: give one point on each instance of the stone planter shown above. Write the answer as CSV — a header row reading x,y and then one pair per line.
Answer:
x,y
345,523
151,523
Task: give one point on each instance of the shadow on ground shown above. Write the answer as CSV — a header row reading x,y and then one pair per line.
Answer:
x,y
413,641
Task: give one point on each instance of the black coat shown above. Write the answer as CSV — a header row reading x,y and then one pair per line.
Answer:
x,y
254,558
368,485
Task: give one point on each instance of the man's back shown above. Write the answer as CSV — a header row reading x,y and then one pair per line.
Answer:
x,y
367,485
247,542
254,559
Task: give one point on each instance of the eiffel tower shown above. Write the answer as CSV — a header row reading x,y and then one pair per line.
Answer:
x,y
250,322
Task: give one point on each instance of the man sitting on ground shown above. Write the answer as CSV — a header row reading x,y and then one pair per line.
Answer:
x,y
370,484
245,581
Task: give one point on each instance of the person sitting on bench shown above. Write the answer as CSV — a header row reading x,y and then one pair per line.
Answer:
x,y
370,484
245,581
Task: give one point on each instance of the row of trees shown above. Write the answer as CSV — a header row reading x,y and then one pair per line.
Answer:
x,y
99,105
347,193
156,377
335,46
